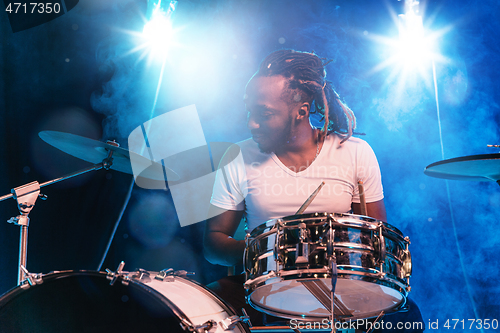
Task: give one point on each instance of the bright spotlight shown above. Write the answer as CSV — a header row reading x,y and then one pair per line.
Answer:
x,y
414,51
158,32
413,47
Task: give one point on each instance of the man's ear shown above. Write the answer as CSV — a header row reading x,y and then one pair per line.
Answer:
x,y
304,111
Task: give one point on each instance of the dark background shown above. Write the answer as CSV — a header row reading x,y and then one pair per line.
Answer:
x,y
76,74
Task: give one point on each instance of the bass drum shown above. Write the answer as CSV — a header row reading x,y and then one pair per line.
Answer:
x,y
85,301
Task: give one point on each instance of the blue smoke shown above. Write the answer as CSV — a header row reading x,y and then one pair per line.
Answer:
x,y
225,41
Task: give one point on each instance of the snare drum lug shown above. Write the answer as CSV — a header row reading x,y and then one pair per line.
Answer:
x,y
407,264
382,249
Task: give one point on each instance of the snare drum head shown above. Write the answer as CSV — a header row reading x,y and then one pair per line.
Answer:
x,y
290,299
85,302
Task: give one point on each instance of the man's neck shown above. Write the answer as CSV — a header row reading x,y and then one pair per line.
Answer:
x,y
301,151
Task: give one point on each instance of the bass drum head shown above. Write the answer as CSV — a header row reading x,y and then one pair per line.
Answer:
x,y
85,301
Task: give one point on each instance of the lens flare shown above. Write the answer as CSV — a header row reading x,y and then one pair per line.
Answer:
x,y
411,54
158,36
158,32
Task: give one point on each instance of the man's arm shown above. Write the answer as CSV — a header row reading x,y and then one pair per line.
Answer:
x,y
373,209
219,246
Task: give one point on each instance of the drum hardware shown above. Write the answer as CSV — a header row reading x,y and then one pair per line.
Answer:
x,y
258,280
113,276
202,328
230,322
168,275
407,267
382,249
141,274
332,264
302,253
26,196
31,278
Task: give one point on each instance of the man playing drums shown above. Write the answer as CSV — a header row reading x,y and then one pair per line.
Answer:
x,y
272,175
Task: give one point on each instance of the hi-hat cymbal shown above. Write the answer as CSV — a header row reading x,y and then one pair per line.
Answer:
x,y
94,151
474,168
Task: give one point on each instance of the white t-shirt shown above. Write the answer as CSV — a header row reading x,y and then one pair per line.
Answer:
x,y
265,188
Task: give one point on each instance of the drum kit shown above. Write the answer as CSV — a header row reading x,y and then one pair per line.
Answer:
x,y
306,266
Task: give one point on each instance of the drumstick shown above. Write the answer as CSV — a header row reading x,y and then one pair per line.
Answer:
x,y
362,200
310,199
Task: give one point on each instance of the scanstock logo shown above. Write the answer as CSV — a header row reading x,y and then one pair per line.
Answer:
x,y
181,161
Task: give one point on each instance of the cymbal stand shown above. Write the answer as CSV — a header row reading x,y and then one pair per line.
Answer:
x,y
26,196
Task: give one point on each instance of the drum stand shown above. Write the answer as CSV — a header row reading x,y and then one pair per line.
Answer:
x,y
332,263
26,196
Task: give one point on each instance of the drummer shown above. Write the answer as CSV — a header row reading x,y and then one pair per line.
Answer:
x,y
273,174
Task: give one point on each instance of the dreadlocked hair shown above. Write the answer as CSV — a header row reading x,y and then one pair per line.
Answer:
x,y
306,76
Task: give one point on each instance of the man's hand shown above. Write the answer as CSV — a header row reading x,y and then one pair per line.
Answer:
x,y
373,209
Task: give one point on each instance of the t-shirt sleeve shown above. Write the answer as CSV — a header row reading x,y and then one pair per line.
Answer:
x,y
368,171
229,189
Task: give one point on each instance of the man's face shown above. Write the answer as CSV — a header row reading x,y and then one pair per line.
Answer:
x,y
269,116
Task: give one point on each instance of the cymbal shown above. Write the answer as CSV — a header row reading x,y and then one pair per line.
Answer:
x,y
474,168
94,151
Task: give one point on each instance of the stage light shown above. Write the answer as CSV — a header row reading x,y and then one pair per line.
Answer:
x,y
158,35
412,48
413,53
158,31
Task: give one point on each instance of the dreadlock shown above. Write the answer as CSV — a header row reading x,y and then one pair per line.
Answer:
x,y
306,76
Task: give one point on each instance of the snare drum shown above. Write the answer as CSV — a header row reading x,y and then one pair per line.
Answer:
x,y
284,257
84,301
